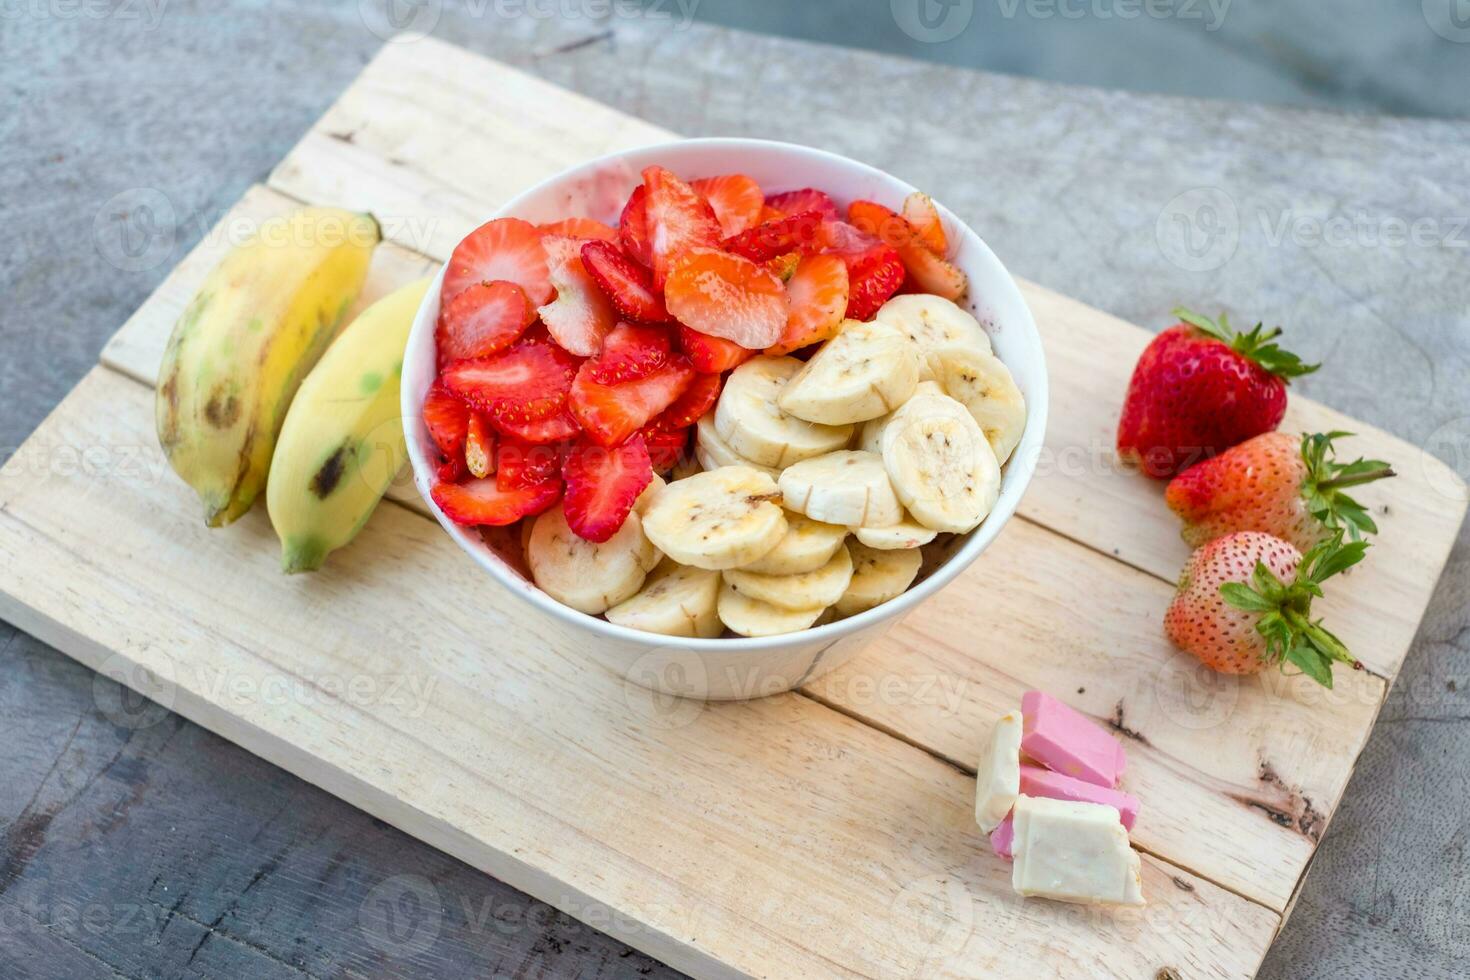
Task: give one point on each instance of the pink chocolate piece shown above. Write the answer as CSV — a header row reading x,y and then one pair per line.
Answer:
x,y
1002,837
1036,781
1064,741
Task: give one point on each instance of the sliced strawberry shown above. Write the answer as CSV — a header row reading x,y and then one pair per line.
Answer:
x,y
872,278
448,420
552,429
633,227
726,296
602,486
581,315
769,214
666,447
479,447
921,214
525,464
506,248
806,199
484,318
678,220
452,470
818,294
630,352
736,200
524,383
711,355
481,502
627,284
800,232
612,413
586,229
930,273
690,407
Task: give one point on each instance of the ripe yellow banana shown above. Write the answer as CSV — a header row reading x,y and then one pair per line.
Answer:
x,y
253,331
342,443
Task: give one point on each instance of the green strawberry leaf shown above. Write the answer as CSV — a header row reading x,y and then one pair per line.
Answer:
x,y
1326,479
1242,596
1257,345
1311,663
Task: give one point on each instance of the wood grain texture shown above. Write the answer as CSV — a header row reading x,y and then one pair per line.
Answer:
x,y
378,680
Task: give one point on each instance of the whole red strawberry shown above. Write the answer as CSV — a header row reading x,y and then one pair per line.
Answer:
x,y
1275,483
1200,388
1245,600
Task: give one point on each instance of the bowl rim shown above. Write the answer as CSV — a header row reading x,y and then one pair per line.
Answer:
x,y
1025,456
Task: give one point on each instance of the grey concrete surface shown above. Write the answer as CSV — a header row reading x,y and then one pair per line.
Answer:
x,y
163,851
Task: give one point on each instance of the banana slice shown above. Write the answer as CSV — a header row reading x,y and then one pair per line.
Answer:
x,y
752,424
649,492
877,576
751,617
676,600
587,576
932,322
722,518
940,465
867,370
816,589
870,434
907,533
981,383
714,452
849,487
807,546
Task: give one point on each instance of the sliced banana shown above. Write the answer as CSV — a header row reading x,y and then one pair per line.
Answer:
x,y
815,589
753,425
751,617
940,465
714,452
649,492
870,434
877,576
582,574
850,487
981,383
676,600
907,533
722,518
807,546
931,322
867,370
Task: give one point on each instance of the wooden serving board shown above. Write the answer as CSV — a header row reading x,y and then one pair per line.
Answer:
x,y
822,833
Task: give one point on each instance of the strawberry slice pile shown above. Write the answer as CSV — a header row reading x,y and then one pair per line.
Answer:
x,y
575,356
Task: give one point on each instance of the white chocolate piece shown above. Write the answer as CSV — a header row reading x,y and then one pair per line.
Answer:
x,y
998,777
1073,852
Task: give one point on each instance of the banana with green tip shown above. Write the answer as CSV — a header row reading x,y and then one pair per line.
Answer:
x,y
342,443
258,324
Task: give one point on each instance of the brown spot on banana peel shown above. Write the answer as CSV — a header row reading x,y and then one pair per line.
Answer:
x,y
223,408
329,475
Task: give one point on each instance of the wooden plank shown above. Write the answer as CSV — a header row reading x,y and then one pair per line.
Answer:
x,y
1238,779
1191,790
434,138
768,838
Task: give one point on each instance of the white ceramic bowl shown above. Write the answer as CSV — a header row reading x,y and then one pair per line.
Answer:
x,y
724,669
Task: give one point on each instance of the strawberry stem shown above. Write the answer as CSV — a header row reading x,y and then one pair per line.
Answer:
x,y
1256,344
1326,479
